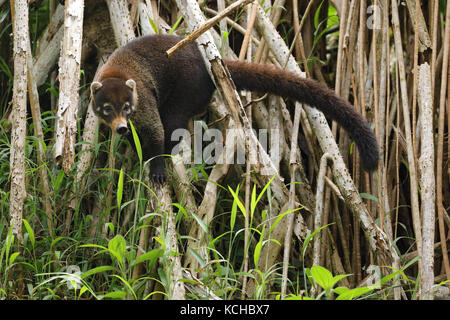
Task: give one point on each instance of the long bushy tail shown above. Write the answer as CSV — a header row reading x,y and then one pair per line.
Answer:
x,y
266,78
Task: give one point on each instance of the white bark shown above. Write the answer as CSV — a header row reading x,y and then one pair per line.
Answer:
x,y
49,45
426,163
121,21
19,113
146,13
69,77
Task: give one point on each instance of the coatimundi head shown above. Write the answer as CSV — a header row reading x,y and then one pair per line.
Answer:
x,y
114,101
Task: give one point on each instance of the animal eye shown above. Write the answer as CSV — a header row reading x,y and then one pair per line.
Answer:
x,y
107,109
126,107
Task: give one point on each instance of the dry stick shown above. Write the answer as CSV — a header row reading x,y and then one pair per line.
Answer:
x,y
362,72
426,162
319,205
406,119
376,108
434,48
37,125
440,149
233,24
206,26
248,32
251,14
300,40
290,223
415,73
383,125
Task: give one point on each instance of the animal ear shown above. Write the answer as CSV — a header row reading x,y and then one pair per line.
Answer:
x,y
95,85
131,83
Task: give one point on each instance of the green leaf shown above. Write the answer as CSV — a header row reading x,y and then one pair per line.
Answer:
x,y
317,15
257,253
97,270
119,189
151,256
200,222
236,199
13,257
172,30
353,293
125,282
198,257
281,216
117,247
115,295
323,277
160,241
30,232
308,238
233,215
154,27
368,196
57,182
137,143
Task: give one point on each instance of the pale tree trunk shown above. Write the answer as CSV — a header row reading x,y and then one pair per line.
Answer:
x,y
19,113
69,78
427,181
121,21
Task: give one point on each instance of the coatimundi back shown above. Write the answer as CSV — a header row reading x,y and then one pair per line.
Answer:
x,y
160,94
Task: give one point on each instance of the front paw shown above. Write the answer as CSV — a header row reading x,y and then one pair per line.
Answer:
x,y
158,175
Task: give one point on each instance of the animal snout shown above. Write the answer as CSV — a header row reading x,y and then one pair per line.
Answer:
x,y
122,128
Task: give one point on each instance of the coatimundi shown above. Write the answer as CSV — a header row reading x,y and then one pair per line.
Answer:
x,y
160,94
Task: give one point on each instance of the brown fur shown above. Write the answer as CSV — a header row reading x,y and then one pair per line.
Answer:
x,y
173,90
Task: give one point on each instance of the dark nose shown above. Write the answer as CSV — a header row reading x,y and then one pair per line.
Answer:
x,y
122,128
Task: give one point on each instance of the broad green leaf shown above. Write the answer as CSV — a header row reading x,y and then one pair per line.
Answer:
x,y
323,277
151,256
115,295
117,247
97,270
